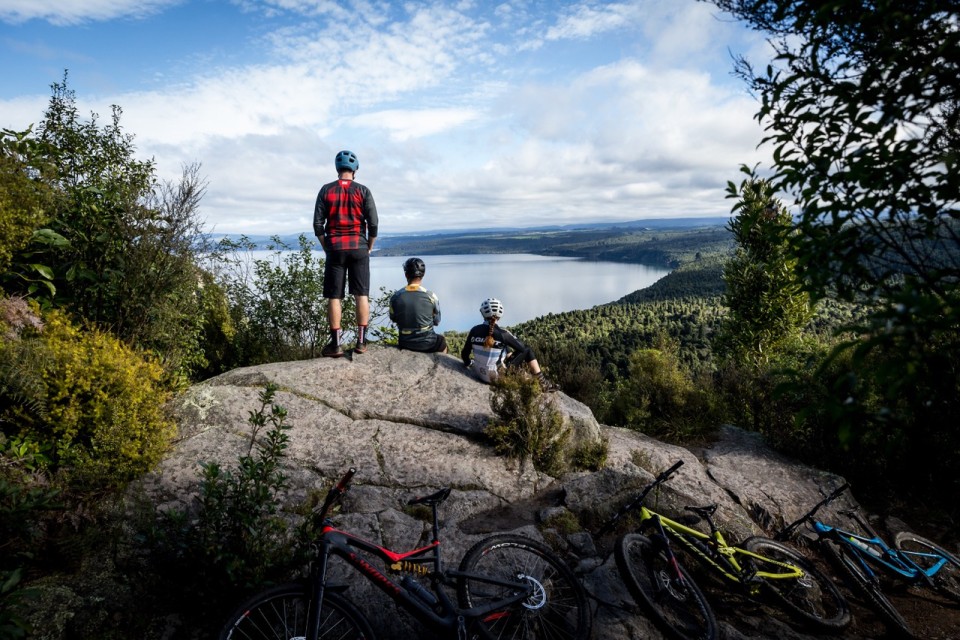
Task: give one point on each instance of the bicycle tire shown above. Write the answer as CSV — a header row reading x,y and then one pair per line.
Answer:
x,y
677,607
282,612
850,567
558,607
812,599
947,579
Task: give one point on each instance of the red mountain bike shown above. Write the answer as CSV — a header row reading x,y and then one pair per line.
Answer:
x,y
507,586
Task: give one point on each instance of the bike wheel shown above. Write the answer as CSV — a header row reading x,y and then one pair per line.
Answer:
x,y
665,590
864,584
283,612
813,598
557,608
926,554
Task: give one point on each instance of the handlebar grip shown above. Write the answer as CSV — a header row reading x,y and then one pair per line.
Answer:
x,y
839,491
669,472
345,480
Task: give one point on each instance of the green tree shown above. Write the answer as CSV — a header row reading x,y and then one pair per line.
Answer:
x,y
767,306
861,104
108,240
25,205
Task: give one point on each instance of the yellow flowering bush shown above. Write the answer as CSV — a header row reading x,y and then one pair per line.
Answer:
x,y
102,421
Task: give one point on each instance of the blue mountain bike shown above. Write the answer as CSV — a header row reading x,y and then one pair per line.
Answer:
x,y
864,558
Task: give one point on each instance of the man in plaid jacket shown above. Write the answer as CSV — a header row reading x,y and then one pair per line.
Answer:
x,y
345,222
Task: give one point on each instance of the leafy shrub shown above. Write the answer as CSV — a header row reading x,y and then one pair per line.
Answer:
x,y
92,405
25,498
591,456
526,426
23,201
277,304
660,399
237,538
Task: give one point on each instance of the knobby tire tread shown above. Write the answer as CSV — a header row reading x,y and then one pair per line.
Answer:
x,y
813,599
558,608
679,609
947,579
849,566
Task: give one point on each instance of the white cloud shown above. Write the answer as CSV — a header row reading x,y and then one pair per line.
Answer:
x,y
456,121
74,12
404,125
590,19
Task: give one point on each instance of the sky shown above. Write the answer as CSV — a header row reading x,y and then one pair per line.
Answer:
x,y
463,114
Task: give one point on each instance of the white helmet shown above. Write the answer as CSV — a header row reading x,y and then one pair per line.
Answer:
x,y
491,308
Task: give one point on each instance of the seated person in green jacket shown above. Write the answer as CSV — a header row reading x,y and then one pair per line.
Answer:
x,y
416,311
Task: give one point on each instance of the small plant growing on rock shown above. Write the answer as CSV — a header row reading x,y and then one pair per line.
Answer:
x,y
526,426
237,538
591,456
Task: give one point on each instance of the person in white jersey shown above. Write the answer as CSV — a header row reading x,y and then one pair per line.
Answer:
x,y
490,348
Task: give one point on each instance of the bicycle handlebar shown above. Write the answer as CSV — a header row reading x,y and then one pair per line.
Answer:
x,y
335,493
636,502
344,483
785,533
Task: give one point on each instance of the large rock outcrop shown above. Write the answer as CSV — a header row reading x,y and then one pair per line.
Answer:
x,y
411,423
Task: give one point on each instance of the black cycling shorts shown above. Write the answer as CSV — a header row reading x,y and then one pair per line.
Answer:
x,y
428,342
341,266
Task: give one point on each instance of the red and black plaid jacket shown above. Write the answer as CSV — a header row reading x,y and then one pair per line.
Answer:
x,y
345,215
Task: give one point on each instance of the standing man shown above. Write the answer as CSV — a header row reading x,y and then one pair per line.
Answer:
x,y
416,312
345,222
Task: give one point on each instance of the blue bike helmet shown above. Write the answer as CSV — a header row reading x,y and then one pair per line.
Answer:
x,y
346,160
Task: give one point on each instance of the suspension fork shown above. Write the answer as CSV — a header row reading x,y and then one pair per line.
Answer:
x,y
318,581
662,533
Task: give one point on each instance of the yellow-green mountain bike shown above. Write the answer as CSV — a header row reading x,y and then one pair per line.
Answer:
x,y
759,568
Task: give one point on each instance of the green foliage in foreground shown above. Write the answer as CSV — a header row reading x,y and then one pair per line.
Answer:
x,y
89,407
276,304
859,103
239,536
526,426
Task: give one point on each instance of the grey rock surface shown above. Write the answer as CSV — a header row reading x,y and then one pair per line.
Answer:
x,y
413,423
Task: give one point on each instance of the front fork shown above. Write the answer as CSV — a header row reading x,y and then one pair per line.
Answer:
x,y
318,583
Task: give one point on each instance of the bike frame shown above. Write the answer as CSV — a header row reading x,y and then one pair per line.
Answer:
x,y
443,617
719,555
872,549
868,549
710,549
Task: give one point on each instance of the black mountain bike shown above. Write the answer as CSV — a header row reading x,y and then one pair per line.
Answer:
x,y
507,586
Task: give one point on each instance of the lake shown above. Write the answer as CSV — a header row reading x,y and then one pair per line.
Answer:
x,y
528,285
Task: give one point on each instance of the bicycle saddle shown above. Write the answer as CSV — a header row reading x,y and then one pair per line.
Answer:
x,y
433,498
704,512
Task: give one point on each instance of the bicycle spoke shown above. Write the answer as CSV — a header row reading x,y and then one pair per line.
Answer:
x,y
664,589
555,606
938,563
812,597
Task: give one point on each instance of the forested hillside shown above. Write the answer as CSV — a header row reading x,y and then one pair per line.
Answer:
x,y
663,245
685,305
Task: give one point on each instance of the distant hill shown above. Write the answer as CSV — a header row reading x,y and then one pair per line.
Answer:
x,y
666,243
656,241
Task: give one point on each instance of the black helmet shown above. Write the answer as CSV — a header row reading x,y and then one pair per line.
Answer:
x,y
346,160
414,268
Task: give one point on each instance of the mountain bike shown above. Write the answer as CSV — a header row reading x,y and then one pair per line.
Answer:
x,y
863,559
759,568
507,586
